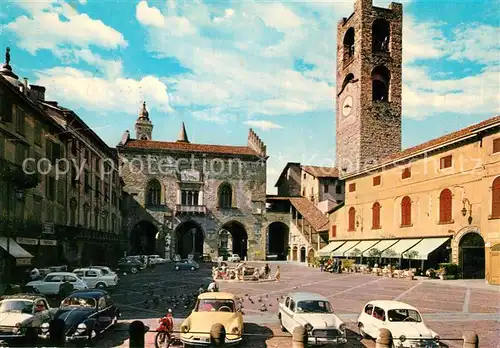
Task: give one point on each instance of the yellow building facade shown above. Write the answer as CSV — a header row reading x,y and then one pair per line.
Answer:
x,y
435,202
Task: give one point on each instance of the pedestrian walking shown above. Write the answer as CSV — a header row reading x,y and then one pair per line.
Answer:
x,y
213,287
267,271
321,266
277,275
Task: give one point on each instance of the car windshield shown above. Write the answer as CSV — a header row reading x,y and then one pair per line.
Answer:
x,y
215,306
76,301
314,307
399,315
17,306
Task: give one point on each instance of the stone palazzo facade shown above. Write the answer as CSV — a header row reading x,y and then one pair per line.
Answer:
x,y
185,198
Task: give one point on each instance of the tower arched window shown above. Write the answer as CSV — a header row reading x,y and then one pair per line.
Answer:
x,y
376,215
380,35
445,206
349,44
225,196
406,211
154,193
352,219
381,78
495,191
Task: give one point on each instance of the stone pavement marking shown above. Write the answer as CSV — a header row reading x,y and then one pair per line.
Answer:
x,y
466,301
354,287
407,291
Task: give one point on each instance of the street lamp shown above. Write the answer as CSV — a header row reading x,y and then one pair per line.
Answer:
x,y
464,209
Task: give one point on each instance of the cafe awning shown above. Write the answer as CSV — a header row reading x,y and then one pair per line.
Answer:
x,y
14,249
344,248
365,245
380,247
395,251
422,250
326,251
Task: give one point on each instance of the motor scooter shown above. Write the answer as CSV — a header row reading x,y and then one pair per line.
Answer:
x,y
164,337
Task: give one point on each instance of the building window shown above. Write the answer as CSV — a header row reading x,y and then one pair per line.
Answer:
x,y
96,219
104,222
496,145
406,211
154,193
333,231
445,206
189,197
304,192
381,78
325,188
20,121
6,109
61,191
113,198
97,187
88,187
37,208
37,137
380,35
376,180
348,44
376,215
74,149
225,196
305,175
406,173
352,187
106,192
20,153
495,189
74,177
338,189
352,219
86,215
72,212
113,223
50,188
445,162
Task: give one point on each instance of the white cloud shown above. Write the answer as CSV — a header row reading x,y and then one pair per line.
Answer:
x,y
110,68
149,15
476,42
77,87
276,15
422,40
51,26
263,125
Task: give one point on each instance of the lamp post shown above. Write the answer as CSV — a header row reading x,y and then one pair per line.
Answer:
x,y
464,209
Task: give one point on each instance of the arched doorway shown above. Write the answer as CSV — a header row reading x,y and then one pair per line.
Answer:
x,y
189,239
294,253
277,240
471,256
239,237
143,238
302,254
310,256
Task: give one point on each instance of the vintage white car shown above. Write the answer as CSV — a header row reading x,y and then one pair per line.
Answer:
x,y
213,308
313,312
403,321
52,282
22,315
234,258
95,278
156,260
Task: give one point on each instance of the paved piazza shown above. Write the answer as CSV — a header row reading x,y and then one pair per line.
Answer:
x,y
449,307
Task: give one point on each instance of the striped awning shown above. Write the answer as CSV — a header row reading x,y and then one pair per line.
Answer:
x,y
327,250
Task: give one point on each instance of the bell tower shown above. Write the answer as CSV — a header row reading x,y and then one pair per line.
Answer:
x,y
143,125
369,74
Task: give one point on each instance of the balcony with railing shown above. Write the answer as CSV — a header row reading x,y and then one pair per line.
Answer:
x,y
190,209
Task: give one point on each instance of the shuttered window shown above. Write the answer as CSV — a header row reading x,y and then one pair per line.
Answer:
x,y
352,187
406,211
445,162
352,218
333,231
376,215
445,206
495,211
496,145
406,173
376,180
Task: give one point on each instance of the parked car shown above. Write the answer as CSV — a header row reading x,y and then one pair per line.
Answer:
x,y
87,314
156,259
52,282
212,308
129,265
186,264
403,321
313,312
95,278
234,258
21,315
105,270
141,259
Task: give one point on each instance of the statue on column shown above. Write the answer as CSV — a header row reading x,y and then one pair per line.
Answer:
x,y
7,55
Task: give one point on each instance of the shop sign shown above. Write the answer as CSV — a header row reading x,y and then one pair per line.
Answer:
x,y
27,241
23,261
48,242
48,227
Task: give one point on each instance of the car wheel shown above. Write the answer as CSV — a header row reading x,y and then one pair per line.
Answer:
x,y
134,270
281,325
100,285
362,331
176,268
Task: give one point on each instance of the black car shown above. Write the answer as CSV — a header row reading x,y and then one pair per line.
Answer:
x,y
86,314
129,265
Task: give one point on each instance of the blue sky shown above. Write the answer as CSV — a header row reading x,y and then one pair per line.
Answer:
x,y
225,66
